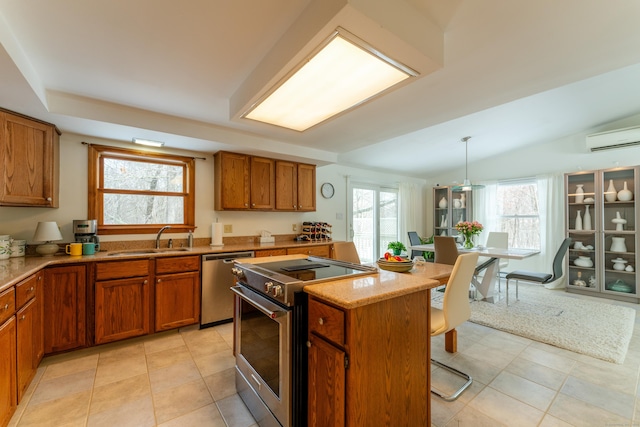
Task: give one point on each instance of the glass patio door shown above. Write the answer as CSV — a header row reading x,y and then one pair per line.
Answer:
x,y
374,220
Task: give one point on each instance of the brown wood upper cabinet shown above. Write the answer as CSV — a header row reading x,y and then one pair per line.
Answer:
x,y
29,161
245,182
295,186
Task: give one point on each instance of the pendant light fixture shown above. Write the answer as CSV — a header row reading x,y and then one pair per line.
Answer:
x,y
466,184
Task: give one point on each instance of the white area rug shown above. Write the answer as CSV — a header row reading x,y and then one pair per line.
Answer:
x,y
598,329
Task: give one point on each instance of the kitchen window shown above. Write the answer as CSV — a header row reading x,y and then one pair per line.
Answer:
x,y
136,192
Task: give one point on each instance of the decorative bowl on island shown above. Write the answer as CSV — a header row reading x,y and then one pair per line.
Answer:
x,y
395,266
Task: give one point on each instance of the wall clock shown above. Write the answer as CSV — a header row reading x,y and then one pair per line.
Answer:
x,y
327,190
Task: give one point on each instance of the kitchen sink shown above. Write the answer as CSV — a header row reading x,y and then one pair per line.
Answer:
x,y
146,251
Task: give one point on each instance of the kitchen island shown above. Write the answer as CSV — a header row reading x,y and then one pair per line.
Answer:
x,y
369,349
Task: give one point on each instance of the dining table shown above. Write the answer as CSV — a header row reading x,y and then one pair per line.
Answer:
x,y
487,285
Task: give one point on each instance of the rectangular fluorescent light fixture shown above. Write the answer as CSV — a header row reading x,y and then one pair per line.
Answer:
x,y
148,142
342,73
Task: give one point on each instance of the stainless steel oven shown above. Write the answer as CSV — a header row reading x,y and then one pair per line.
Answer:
x,y
263,356
270,324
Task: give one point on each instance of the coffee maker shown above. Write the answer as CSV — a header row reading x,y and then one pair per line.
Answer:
x,y
85,231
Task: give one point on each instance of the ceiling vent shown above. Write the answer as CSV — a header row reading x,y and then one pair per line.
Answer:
x,y
619,138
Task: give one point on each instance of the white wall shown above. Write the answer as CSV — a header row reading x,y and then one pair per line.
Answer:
x,y
20,222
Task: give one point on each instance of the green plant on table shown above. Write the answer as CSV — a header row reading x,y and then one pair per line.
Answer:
x,y
427,241
396,247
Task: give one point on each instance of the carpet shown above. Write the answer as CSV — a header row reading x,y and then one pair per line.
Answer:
x,y
598,329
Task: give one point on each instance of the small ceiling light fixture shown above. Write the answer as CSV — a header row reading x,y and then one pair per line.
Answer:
x,y
342,73
148,142
466,184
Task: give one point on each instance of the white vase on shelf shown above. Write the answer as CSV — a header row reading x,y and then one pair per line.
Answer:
x,y
586,220
619,222
578,225
579,193
625,194
443,203
618,244
611,194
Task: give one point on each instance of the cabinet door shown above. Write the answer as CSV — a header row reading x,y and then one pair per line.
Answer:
x,y
231,181
65,299
177,300
28,162
26,323
121,309
326,384
286,186
8,398
321,250
306,187
262,183
270,252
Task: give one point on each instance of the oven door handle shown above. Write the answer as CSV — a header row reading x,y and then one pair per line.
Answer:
x,y
264,305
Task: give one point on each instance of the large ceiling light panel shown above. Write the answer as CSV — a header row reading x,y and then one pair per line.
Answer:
x,y
343,73
336,56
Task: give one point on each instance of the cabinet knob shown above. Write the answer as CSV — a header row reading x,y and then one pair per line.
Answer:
x,y
22,317
159,280
6,307
309,344
39,278
253,204
48,199
145,282
320,321
31,289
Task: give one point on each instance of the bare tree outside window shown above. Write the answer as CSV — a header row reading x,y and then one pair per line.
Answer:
x,y
519,213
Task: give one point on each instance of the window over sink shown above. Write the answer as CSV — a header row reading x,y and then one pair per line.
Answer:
x,y
136,192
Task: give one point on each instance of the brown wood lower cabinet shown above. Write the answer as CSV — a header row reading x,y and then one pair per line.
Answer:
x,y
8,388
122,300
30,340
320,250
370,365
65,308
177,292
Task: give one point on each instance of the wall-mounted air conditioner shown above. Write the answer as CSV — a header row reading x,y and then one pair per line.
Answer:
x,y
619,138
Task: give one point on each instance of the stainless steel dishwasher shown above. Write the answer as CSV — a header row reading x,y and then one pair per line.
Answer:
x,y
217,298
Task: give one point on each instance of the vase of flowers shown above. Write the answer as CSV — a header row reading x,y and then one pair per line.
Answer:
x,y
469,229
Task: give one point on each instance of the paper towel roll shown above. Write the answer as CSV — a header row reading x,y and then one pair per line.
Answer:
x,y
216,234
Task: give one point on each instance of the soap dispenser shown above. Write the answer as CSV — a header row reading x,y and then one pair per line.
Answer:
x,y
190,239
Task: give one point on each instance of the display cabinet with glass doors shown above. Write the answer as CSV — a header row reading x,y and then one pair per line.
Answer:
x,y
450,207
601,218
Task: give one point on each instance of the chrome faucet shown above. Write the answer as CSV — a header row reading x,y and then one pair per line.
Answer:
x,y
160,234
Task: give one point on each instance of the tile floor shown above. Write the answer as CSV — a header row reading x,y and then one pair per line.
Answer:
x,y
186,379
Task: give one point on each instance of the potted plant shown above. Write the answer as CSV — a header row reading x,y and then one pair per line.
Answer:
x,y
427,241
396,247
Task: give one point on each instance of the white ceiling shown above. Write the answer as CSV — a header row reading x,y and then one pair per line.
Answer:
x,y
513,73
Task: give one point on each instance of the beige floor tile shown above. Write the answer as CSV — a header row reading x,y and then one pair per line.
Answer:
x,y
537,373
616,377
214,363
133,413
505,409
551,421
599,396
526,391
118,393
121,350
506,342
115,368
206,416
222,384
181,400
579,413
163,341
67,411
477,369
234,412
167,357
60,387
173,375
550,360
70,366
472,418
489,355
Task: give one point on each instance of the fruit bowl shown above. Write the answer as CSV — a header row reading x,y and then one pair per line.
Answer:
x,y
395,266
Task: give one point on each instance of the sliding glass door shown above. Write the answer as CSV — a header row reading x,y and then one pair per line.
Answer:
x,y
374,219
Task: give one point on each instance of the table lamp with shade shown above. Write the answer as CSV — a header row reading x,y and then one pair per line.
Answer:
x,y
47,232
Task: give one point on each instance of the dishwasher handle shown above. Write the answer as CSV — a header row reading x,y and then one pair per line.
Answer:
x,y
228,257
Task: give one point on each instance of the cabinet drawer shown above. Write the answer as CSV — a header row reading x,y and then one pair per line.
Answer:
x,y
122,269
177,264
326,321
322,251
7,304
26,289
270,252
